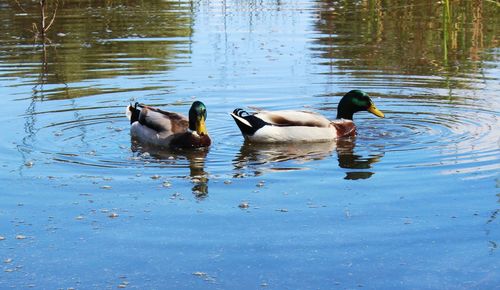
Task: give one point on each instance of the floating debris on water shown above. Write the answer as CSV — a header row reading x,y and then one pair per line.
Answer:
x,y
227,181
29,164
244,205
261,183
106,187
20,237
155,176
347,213
8,261
282,210
80,217
113,215
204,276
2,238
167,184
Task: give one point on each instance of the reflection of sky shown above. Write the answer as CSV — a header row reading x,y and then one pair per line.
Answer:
x,y
237,53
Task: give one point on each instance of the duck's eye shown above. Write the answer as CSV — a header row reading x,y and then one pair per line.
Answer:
x,y
203,112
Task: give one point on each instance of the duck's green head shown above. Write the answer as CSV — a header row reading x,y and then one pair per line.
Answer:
x,y
197,117
355,101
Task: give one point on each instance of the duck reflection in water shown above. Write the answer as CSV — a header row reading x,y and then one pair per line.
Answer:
x,y
176,158
357,164
263,158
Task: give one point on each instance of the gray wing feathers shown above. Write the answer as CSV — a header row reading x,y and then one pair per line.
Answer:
x,y
294,118
162,121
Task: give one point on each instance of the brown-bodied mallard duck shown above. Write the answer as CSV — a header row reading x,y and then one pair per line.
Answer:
x,y
304,126
167,129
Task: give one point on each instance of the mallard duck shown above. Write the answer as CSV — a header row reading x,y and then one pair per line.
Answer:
x,y
167,129
304,126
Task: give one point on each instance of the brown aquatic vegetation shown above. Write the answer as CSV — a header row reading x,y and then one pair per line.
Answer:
x,y
43,26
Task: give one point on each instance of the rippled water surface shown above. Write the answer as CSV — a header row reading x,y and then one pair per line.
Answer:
x,y
410,203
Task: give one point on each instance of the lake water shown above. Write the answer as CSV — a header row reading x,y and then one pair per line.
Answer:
x,y
410,203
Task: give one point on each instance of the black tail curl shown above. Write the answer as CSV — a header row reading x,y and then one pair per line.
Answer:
x,y
134,112
254,123
240,112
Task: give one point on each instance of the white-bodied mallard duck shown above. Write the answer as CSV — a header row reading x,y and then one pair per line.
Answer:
x,y
168,129
304,126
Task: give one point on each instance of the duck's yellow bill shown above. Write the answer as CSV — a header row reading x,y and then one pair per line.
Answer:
x,y
201,128
372,109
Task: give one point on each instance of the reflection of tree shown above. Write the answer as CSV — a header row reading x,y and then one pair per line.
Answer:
x,y
99,39
408,37
195,158
262,158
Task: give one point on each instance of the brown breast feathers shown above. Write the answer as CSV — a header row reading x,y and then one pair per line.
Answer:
x,y
345,128
188,140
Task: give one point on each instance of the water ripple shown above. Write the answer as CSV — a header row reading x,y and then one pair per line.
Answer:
x,y
455,136
438,135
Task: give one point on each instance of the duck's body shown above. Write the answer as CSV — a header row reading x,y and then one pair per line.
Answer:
x,y
303,126
290,126
168,129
